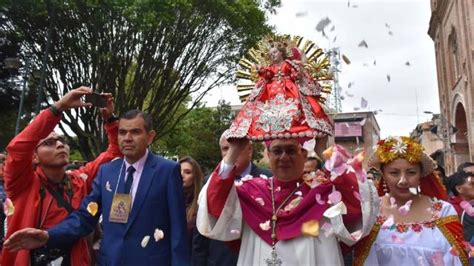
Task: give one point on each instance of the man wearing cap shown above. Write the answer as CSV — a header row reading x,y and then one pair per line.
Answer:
x,y
285,219
40,192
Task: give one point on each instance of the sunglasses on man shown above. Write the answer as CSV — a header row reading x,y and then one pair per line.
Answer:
x,y
49,142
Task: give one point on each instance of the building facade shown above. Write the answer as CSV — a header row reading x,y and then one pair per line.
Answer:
x,y
356,131
452,30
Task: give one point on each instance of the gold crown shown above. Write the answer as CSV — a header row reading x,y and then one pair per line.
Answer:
x,y
393,148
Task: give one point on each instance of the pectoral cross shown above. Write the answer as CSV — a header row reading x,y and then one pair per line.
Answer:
x,y
274,260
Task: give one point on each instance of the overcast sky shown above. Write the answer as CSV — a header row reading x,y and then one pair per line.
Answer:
x,y
412,89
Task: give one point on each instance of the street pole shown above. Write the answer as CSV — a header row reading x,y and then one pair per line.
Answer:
x,y
22,99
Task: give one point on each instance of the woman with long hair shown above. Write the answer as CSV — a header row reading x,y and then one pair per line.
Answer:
x,y
415,225
192,183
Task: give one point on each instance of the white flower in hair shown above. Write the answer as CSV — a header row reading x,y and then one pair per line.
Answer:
x,y
400,147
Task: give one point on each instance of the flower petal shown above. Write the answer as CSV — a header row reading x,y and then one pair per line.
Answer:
x,y
235,232
467,207
265,226
145,241
405,208
107,186
318,199
260,201
334,197
158,235
8,207
454,251
310,228
84,176
389,222
92,208
338,209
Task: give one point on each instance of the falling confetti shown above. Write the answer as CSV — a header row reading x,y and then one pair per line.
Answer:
x,y
334,197
107,186
348,94
235,232
84,176
323,23
145,241
362,122
8,207
301,14
388,78
375,62
393,203
403,210
363,44
355,6
413,190
346,59
310,228
407,63
265,226
363,103
260,201
336,210
332,28
386,25
92,208
390,33
356,108
158,235
318,199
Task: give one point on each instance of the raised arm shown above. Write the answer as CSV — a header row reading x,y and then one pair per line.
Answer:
x,y
113,151
19,164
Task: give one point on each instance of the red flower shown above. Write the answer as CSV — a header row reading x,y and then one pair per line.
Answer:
x,y
380,220
416,227
380,142
437,206
402,228
429,225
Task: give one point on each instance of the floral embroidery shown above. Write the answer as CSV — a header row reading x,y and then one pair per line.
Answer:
x,y
416,227
437,206
401,228
277,114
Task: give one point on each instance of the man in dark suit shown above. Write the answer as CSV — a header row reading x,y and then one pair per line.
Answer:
x,y
142,202
210,252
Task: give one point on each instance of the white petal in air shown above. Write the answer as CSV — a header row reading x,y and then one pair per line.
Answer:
x,y
145,241
158,235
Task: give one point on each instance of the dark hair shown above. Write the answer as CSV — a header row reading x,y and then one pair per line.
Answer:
x,y
198,178
318,162
137,113
441,169
457,179
464,165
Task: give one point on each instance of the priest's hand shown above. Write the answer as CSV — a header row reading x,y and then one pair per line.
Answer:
x,y
28,238
236,147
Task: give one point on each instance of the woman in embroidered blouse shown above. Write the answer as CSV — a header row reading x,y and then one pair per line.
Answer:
x,y
415,225
284,103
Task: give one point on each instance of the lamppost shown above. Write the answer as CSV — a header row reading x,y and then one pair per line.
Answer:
x,y
14,64
444,132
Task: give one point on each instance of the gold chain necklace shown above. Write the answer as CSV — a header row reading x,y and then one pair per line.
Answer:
x,y
274,260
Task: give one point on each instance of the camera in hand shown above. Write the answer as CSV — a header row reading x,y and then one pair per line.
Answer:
x,y
96,99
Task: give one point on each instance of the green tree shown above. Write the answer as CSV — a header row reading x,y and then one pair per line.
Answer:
x,y
198,135
150,54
